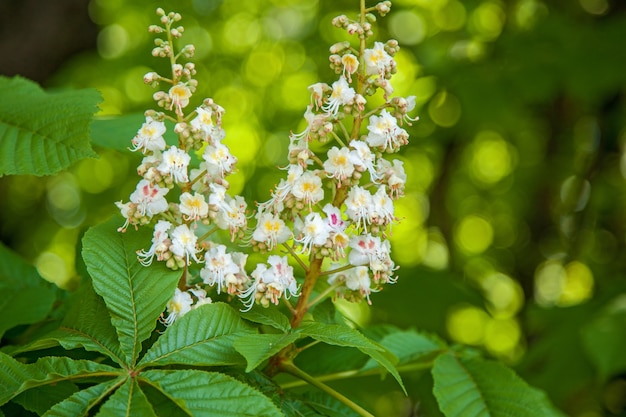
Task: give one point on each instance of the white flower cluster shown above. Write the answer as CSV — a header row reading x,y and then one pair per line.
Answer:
x,y
335,204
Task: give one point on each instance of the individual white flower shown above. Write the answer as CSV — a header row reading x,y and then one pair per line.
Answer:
x,y
177,306
382,212
203,122
361,156
313,122
377,60
201,297
308,188
218,266
338,165
217,197
281,273
150,136
184,243
270,284
350,65
271,230
175,163
364,249
219,161
317,93
193,207
333,218
149,198
160,243
313,231
394,175
358,279
359,205
232,215
341,95
384,132
371,251
179,96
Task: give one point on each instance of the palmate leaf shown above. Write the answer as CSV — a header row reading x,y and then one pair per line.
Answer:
x,y
202,337
409,346
25,297
258,347
474,387
81,402
128,400
210,394
40,399
16,377
43,133
134,295
268,316
335,334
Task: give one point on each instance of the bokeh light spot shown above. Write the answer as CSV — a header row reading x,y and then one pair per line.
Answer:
x,y
502,336
52,268
242,31
95,176
262,68
504,294
491,159
487,20
474,234
444,109
467,324
578,285
408,27
112,41
451,16
595,7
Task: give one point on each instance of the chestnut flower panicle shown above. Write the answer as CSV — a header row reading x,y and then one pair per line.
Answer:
x,y
335,202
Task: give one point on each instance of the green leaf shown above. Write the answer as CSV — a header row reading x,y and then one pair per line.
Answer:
x,y
12,375
605,341
25,297
40,399
409,346
210,394
293,407
43,133
88,325
116,132
16,377
268,316
327,405
258,347
81,402
134,294
339,335
202,337
479,388
128,400
336,334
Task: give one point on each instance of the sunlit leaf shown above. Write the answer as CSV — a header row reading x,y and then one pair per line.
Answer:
x,y
209,394
339,335
202,337
268,316
25,297
43,133
479,388
134,294
256,348
409,346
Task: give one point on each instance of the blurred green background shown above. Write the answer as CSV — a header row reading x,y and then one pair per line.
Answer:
x,y
514,220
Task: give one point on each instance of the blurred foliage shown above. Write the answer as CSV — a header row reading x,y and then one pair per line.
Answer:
x,y
513,226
